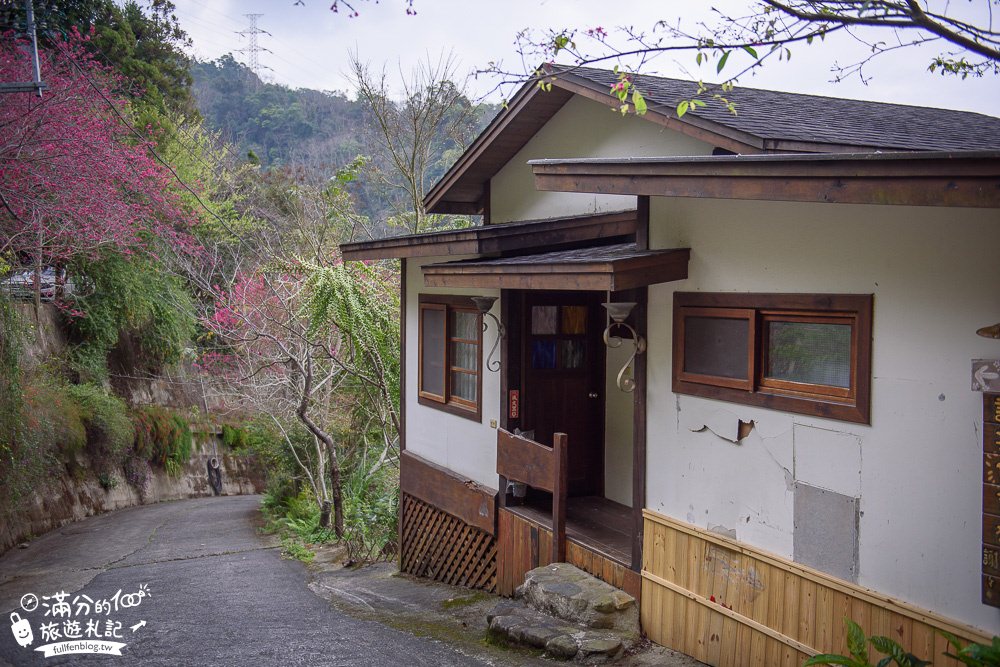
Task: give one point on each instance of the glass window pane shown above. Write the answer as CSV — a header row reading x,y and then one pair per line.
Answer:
x,y
810,352
543,319
464,325
571,354
465,355
716,346
574,319
463,386
432,351
543,354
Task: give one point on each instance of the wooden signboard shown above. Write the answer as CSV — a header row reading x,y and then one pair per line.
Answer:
x,y
991,499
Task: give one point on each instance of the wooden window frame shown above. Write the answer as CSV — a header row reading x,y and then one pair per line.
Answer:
x,y
448,403
747,314
852,404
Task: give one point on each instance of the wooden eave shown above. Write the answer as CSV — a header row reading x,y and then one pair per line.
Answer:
x,y
609,268
462,189
960,179
490,239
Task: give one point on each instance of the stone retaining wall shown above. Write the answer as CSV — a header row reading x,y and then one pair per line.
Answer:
x,y
66,499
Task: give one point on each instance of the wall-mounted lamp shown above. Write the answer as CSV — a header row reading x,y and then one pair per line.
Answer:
x,y
484,304
619,312
992,331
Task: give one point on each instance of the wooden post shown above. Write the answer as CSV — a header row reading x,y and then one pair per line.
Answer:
x,y
639,434
991,499
559,451
401,518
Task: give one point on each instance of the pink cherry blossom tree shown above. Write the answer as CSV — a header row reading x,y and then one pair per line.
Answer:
x,y
75,178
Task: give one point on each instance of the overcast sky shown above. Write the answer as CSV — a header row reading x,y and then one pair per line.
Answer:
x,y
309,45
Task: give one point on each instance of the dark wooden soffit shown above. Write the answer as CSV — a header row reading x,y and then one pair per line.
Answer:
x,y
962,179
497,238
614,267
473,503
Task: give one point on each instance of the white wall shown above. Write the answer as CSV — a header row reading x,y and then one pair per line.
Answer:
x,y
582,128
463,445
618,411
917,469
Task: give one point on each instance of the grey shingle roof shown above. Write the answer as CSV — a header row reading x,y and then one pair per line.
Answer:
x,y
811,118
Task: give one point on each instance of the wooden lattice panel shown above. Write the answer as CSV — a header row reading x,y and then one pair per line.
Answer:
x,y
439,546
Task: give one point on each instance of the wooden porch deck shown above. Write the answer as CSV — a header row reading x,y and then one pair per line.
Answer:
x,y
599,524
598,541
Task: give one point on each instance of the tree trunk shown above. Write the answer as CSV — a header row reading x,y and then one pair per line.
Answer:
x,y
38,290
322,436
335,491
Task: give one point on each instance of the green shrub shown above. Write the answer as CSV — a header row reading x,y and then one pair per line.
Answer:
x,y
46,431
371,506
294,549
108,427
12,337
280,489
107,481
129,298
234,437
162,436
172,467
52,415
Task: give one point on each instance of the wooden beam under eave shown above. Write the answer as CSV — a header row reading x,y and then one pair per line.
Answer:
x,y
528,281
602,277
496,238
459,207
963,192
390,249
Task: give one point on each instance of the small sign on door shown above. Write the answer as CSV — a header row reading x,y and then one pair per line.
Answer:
x,y
986,375
514,404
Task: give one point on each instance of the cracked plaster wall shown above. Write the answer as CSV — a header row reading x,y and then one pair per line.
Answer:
x,y
916,470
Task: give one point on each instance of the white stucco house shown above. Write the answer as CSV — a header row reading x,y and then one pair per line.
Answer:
x,y
793,442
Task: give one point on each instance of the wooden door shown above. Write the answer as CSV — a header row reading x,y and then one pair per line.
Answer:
x,y
563,366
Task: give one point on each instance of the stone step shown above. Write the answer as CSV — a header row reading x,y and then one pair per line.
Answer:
x,y
517,623
567,592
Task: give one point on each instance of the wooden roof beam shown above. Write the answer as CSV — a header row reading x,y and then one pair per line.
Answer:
x,y
960,179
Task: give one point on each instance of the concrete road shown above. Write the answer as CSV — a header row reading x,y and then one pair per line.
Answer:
x,y
218,594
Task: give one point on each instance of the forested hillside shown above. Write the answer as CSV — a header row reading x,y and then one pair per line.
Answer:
x,y
315,132
278,125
